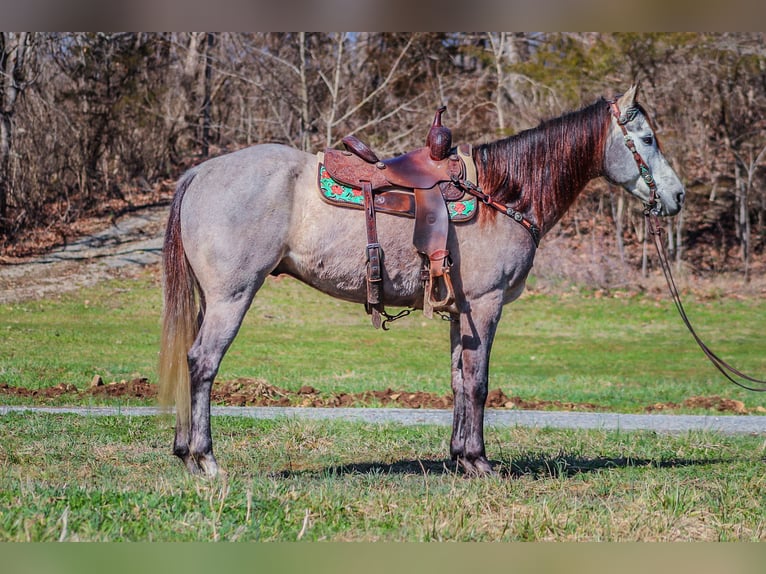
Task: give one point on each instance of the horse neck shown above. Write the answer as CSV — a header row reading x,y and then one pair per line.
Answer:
x,y
541,171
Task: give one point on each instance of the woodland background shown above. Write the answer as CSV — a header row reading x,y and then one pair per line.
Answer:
x,y
94,124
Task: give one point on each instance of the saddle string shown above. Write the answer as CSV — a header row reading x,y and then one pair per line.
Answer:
x,y
726,369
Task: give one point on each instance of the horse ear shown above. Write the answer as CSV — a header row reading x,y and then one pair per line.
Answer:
x,y
628,99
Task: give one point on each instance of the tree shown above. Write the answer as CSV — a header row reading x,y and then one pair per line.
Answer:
x,y
742,99
89,121
15,52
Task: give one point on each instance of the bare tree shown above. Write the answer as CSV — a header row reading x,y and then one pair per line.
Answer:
x,y
15,49
88,120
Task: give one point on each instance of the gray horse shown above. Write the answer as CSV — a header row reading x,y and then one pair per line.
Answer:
x,y
240,217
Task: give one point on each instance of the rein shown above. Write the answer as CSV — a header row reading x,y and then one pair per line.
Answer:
x,y
651,212
725,368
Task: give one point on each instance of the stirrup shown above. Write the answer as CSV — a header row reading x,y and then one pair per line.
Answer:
x,y
431,301
449,298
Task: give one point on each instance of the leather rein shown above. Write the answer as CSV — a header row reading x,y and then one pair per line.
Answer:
x,y
652,212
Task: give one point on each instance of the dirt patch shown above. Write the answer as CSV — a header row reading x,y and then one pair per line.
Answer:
x,y
716,403
254,392
139,388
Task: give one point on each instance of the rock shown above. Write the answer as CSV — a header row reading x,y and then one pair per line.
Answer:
x,y
96,382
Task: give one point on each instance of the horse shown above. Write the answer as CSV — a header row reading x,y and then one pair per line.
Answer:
x,y
240,217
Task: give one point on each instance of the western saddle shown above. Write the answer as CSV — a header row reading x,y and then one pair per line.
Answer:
x,y
431,175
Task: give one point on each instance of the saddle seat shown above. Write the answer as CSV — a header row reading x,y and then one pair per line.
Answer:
x,y
422,168
429,174
416,169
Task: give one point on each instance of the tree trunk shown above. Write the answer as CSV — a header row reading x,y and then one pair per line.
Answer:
x,y
742,218
498,48
644,249
5,156
14,48
305,142
619,214
679,235
206,95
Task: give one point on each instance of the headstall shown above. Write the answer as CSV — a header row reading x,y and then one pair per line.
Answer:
x,y
652,206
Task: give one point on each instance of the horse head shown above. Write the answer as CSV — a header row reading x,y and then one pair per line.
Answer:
x,y
633,157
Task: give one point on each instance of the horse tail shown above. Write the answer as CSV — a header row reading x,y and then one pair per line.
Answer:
x,y
179,317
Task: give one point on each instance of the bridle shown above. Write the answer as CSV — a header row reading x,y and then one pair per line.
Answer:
x,y
652,206
652,210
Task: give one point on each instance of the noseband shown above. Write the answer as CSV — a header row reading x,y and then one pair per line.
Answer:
x,y
653,207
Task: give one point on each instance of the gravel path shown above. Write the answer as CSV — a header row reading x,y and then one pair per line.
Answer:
x,y
496,418
132,241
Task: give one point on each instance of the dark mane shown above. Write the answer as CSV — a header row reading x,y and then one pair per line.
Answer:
x,y
541,170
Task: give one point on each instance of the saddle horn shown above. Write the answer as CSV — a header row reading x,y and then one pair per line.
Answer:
x,y
439,140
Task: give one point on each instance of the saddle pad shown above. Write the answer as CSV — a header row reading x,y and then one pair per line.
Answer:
x,y
393,201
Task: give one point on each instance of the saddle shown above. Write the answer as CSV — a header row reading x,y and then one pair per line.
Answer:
x,y
416,184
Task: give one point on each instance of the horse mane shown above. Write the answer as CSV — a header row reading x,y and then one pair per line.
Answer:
x,y
542,170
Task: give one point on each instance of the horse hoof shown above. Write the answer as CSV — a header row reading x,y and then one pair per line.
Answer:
x,y
483,467
478,467
203,466
208,466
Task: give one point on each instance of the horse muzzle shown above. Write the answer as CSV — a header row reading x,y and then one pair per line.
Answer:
x,y
669,208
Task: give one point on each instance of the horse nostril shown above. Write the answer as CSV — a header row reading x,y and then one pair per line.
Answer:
x,y
680,197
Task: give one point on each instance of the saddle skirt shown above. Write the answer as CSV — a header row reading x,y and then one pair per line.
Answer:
x,y
397,200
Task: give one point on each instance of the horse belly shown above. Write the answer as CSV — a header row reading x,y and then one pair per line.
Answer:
x,y
328,250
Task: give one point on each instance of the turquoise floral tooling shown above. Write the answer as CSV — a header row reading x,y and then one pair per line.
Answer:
x,y
336,192
461,210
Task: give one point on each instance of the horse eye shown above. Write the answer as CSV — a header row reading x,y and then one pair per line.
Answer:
x,y
647,140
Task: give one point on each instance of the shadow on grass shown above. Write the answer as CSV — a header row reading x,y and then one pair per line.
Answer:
x,y
563,465
537,466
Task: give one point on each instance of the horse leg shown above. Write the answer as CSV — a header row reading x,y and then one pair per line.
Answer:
x,y
471,339
220,324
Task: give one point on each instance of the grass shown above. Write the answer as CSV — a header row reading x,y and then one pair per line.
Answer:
x,y
64,477
624,352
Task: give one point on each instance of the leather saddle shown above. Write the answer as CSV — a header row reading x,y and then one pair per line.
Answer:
x,y
423,179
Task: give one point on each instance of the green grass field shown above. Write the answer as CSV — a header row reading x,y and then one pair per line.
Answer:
x,y
64,477
111,479
623,352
